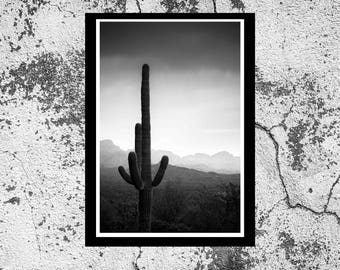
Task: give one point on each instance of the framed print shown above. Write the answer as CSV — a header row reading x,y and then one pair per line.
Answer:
x,y
170,129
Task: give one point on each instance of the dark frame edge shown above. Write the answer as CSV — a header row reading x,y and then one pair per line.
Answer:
x,y
249,137
90,60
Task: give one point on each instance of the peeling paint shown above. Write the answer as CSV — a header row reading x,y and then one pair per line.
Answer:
x,y
238,4
57,84
13,200
174,6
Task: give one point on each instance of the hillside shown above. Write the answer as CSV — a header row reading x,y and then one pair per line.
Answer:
x,y
186,200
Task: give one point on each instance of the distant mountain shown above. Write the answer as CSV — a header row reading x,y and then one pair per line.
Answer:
x,y
221,162
111,155
156,156
192,177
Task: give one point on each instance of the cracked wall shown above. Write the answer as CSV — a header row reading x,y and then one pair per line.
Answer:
x,y
42,138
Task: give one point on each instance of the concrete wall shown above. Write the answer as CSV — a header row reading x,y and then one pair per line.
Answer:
x,y
42,138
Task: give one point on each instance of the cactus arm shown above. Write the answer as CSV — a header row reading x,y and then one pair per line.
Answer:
x,y
125,175
161,170
138,144
134,172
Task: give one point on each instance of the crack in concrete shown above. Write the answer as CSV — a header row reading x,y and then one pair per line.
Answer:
x,y
270,210
330,194
287,199
6,102
61,10
135,263
138,6
214,5
37,239
28,202
283,122
34,225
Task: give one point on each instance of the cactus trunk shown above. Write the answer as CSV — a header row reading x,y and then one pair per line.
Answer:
x,y
146,138
144,209
145,196
140,160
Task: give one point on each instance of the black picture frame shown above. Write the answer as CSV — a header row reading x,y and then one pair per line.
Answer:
x,y
248,238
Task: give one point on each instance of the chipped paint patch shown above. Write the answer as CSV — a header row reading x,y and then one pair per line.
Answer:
x,y
57,85
238,4
13,200
174,6
230,258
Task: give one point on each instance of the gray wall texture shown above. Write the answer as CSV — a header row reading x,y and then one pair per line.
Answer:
x,y
42,138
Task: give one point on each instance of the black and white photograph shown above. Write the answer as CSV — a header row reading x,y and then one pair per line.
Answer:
x,y
170,123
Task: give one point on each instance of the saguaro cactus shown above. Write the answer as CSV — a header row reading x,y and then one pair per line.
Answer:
x,y
140,160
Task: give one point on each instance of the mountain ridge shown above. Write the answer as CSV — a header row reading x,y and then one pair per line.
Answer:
x,y
112,155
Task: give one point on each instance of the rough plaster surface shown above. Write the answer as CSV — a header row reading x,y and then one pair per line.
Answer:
x,y
42,138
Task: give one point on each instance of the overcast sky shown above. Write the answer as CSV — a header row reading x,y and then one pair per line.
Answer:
x,y
194,84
